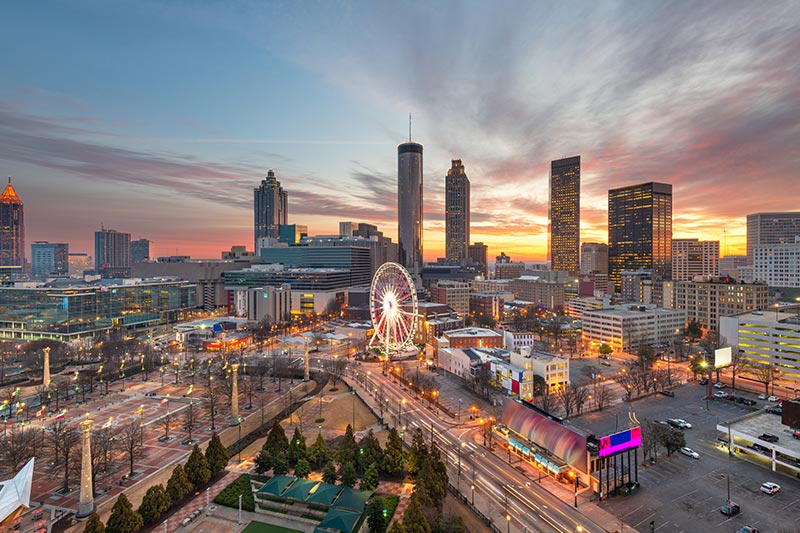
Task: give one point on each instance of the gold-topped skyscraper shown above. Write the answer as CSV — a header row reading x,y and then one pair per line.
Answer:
x,y
12,229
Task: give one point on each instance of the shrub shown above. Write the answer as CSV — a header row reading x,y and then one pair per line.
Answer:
x,y
229,497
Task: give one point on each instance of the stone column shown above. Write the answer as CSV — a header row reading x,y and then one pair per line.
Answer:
x,y
235,391
46,377
86,503
305,363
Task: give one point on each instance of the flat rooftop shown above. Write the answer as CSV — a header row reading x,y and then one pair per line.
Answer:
x,y
472,332
749,427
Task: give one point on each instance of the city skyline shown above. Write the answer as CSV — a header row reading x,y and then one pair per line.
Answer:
x,y
159,120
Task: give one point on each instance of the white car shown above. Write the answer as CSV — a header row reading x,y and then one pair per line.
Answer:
x,y
679,423
770,488
720,394
690,452
773,399
762,396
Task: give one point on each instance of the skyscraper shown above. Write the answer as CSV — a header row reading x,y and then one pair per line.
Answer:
x,y
771,228
478,254
456,199
594,258
692,257
49,259
12,228
640,230
270,208
112,250
409,206
140,250
565,213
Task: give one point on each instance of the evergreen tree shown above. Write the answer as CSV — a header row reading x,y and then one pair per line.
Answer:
x,y
370,451
297,447
375,519
329,474
397,527
418,454
450,523
394,459
370,480
318,453
94,524
280,465
178,485
154,503
303,469
413,519
216,455
349,475
123,519
197,471
348,449
275,444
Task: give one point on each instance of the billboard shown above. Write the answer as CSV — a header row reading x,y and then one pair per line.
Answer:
x,y
722,357
619,442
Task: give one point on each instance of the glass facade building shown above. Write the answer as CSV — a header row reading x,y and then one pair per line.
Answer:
x,y
355,260
640,230
409,206
270,208
456,213
565,214
77,310
49,259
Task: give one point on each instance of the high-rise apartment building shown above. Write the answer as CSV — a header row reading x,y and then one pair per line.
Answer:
x,y
478,255
640,230
692,257
140,250
270,207
409,206
594,258
565,213
456,199
707,301
112,250
49,259
771,228
777,265
12,229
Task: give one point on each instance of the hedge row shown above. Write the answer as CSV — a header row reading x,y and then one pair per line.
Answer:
x,y
229,497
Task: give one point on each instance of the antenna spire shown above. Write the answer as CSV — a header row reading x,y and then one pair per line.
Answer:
x,y
409,131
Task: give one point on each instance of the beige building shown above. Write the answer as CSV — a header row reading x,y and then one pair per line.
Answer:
x,y
552,368
627,327
533,289
707,301
454,294
692,257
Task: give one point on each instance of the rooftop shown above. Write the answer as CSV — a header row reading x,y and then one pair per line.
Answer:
x,y
472,332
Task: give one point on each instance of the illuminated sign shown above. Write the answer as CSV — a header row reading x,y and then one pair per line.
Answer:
x,y
723,357
619,442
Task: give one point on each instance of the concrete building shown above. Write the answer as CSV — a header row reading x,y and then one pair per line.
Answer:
x,y
464,363
12,229
693,257
576,307
433,320
508,270
565,214
640,230
292,233
140,250
471,338
357,261
769,337
730,264
381,249
79,263
514,339
489,304
513,380
543,293
594,258
591,284
553,369
409,206
777,265
627,327
112,250
271,302
707,301
456,213
270,208
478,256
453,294
49,259
771,228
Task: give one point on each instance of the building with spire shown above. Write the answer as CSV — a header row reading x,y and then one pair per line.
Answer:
x,y
12,229
409,206
270,208
456,213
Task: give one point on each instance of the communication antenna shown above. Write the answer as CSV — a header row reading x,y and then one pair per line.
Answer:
x,y
724,242
409,127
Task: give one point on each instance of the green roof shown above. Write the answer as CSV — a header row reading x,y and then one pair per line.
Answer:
x,y
324,494
352,499
338,520
276,485
300,489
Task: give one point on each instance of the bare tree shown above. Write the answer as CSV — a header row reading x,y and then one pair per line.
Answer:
x,y
104,446
166,423
738,363
602,395
131,438
63,441
336,369
18,445
763,373
566,396
262,399
212,403
547,401
581,393
189,420
262,368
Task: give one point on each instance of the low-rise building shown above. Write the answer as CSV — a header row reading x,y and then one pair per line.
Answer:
x,y
272,303
433,319
534,289
473,338
514,339
577,306
489,303
553,369
627,327
777,265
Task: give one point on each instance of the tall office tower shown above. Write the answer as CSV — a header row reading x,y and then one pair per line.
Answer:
x,y
565,214
456,199
771,228
270,208
479,255
692,257
346,228
49,259
409,206
640,230
140,250
594,258
112,249
12,228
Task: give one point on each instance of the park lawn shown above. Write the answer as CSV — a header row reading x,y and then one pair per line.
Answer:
x,y
261,527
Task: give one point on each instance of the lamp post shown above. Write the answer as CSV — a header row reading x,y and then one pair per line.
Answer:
x,y
144,371
122,373
353,394
472,488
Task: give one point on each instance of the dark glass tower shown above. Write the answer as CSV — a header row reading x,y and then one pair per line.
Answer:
x,y
270,208
12,228
640,230
565,214
456,213
409,206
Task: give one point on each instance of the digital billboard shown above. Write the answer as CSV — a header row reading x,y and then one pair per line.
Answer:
x,y
619,442
722,357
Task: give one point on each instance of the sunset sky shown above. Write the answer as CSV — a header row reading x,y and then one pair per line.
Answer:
x,y
159,119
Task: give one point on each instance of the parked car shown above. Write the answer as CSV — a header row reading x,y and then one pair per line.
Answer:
x,y
772,399
720,394
703,381
719,385
746,401
690,453
769,487
679,423
796,434
774,410
748,529
730,509
667,393
605,363
762,396
768,437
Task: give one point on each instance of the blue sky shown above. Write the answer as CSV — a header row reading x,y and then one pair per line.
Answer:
x,y
159,118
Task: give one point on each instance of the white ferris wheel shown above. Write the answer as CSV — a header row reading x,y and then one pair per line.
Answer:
x,y
393,308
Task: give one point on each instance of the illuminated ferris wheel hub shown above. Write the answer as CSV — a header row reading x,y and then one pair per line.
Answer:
x,y
393,308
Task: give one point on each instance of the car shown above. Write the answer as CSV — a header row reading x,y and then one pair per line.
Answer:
x,y
768,437
604,356
748,529
748,401
774,410
762,396
667,393
605,363
730,509
719,385
769,487
690,453
679,423
720,394
772,399
796,434
703,381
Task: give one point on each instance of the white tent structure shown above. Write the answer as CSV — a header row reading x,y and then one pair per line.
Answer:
x,y
15,494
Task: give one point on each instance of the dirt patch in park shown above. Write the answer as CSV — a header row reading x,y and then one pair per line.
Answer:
x,y
336,409
472,522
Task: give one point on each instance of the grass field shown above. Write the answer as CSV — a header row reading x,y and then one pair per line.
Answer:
x,y
261,527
